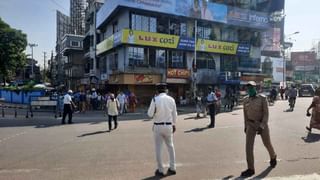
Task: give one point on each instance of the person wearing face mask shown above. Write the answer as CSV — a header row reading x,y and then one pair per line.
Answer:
x,y
256,114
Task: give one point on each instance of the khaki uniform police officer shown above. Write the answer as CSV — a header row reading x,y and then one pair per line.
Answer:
x,y
256,114
164,113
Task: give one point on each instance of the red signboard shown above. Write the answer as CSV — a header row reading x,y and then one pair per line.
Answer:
x,y
178,73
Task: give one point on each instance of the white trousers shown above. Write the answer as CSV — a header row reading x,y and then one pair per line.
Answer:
x,y
121,108
163,133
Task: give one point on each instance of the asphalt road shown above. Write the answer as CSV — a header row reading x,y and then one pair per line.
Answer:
x,y
41,148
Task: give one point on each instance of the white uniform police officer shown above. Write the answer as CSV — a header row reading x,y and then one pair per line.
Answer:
x,y
163,110
67,107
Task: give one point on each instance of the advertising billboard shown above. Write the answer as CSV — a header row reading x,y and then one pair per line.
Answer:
x,y
199,9
304,58
127,36
275,65
271,40
245,17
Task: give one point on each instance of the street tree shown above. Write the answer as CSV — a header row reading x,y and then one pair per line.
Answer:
x,y
13,43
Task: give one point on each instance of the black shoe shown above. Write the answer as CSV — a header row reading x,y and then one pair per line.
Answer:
x,y
63,122
171,172
273,162
70,122
158,173
308,128
247,173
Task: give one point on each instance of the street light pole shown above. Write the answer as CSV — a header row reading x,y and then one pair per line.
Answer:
x,y
283,48
32,45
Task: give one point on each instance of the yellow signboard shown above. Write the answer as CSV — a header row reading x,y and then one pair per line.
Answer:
x,y
149,39
217,46
105,45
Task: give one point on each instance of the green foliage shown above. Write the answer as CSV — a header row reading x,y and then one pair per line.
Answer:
x,y
12,46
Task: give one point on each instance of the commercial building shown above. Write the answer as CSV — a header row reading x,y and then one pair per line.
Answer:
x,y
142,43
63,24
66,27
92,73
77,16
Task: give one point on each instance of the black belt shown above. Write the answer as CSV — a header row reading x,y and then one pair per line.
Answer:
x,y
163,123
251,120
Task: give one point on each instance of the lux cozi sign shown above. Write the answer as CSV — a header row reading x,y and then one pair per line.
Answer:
x,y
178,73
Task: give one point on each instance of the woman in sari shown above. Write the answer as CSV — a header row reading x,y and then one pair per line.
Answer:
x,y
315,116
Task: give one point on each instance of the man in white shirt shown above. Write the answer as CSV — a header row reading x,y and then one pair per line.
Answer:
x,y
211,101
163,110
122,99
67,107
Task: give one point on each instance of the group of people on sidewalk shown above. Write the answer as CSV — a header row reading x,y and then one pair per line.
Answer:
x,y
96,101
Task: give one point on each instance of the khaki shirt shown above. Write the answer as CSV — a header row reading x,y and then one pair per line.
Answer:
x,y
256,111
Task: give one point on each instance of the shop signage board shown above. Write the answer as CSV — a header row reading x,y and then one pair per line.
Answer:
x,y
178,73
143,79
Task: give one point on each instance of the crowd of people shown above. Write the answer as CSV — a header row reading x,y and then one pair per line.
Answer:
x,y
163,112
93,100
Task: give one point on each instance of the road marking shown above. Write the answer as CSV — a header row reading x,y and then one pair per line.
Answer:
x,y
3,171
12,136
314,176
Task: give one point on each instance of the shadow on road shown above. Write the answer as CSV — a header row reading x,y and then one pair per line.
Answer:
x,y
195,118
197,129
264,173
311,138
93,133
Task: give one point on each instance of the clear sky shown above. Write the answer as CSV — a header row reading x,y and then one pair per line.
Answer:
x,y
37,18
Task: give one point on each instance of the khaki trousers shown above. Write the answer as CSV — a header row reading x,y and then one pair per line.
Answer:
x,y
250,137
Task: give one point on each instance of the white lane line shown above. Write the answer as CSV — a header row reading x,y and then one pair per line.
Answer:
x,y
12,136
314,176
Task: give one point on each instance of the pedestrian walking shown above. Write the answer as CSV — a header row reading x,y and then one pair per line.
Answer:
x,y
211,103
282,93
256,114
82,102
218,103
112,108
68,107
132,102
292,94
315,116
163,110
122,100
198,105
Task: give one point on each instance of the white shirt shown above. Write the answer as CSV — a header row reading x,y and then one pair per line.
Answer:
x,y
112,107
121,98
67,99
163,109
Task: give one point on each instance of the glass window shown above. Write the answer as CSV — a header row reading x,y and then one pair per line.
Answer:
x,y
229,35
177,59
183,29
75,43
204,32
136,56
161,58
205,61
143,23
229,63
153,24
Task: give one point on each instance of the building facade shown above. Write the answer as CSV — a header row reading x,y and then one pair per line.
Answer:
x,y
142,43
89,43
77,16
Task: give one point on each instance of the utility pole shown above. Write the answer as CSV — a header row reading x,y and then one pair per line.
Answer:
x,y
44,67
32,45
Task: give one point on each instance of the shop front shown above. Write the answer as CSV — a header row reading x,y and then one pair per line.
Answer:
x,y
179,84
142,85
